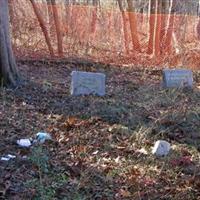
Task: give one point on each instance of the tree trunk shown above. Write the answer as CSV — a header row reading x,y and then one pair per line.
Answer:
x,y
58,28
8,69
68,15
152,24
198,30
154,46
43,27
164,20
124,25
169,33
11,10
133,26
158,29
94,16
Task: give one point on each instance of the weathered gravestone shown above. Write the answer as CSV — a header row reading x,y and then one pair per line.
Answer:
x,y
86,83
177,78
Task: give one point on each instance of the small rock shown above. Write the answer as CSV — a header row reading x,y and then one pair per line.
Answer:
x,y
161,148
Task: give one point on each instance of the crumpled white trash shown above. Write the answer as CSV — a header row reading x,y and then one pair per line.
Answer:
x,y
42,137
161,148
5,159
8,157
24,142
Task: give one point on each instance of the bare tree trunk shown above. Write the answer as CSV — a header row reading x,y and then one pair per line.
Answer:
x,y
50,17
11,10
8,68
58,28
155,21
124,25
198,29
43,26
158,29
67,14
152,24
164,20
94,16
133,26
169,32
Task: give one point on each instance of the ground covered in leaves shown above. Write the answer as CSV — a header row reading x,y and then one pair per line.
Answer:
x,y
101,147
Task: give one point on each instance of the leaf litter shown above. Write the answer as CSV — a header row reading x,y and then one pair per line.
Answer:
x,y
101,146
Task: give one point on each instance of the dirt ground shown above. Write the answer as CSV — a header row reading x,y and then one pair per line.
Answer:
x,y
101,147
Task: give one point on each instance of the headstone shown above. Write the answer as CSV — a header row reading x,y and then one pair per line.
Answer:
x,y
161,148
86,83
177,78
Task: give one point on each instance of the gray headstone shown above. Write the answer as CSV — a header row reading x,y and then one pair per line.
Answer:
x,y
86,83
177,78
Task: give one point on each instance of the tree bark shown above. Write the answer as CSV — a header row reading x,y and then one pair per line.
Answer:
x,y
94,16
43,27
158,29
8,69
198,30
124,25
50,16
155,22
133,26
58,28
169,33
164,20
152,24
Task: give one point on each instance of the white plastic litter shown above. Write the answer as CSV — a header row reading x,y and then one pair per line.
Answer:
x,y
11,156
42,137
24,157
161,148
5,159
24,142
8,157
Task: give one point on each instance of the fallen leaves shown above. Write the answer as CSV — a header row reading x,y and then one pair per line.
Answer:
x,y
183,161
124,193
4,187
101,144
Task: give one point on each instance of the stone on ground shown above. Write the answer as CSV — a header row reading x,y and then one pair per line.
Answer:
x,y
161,148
